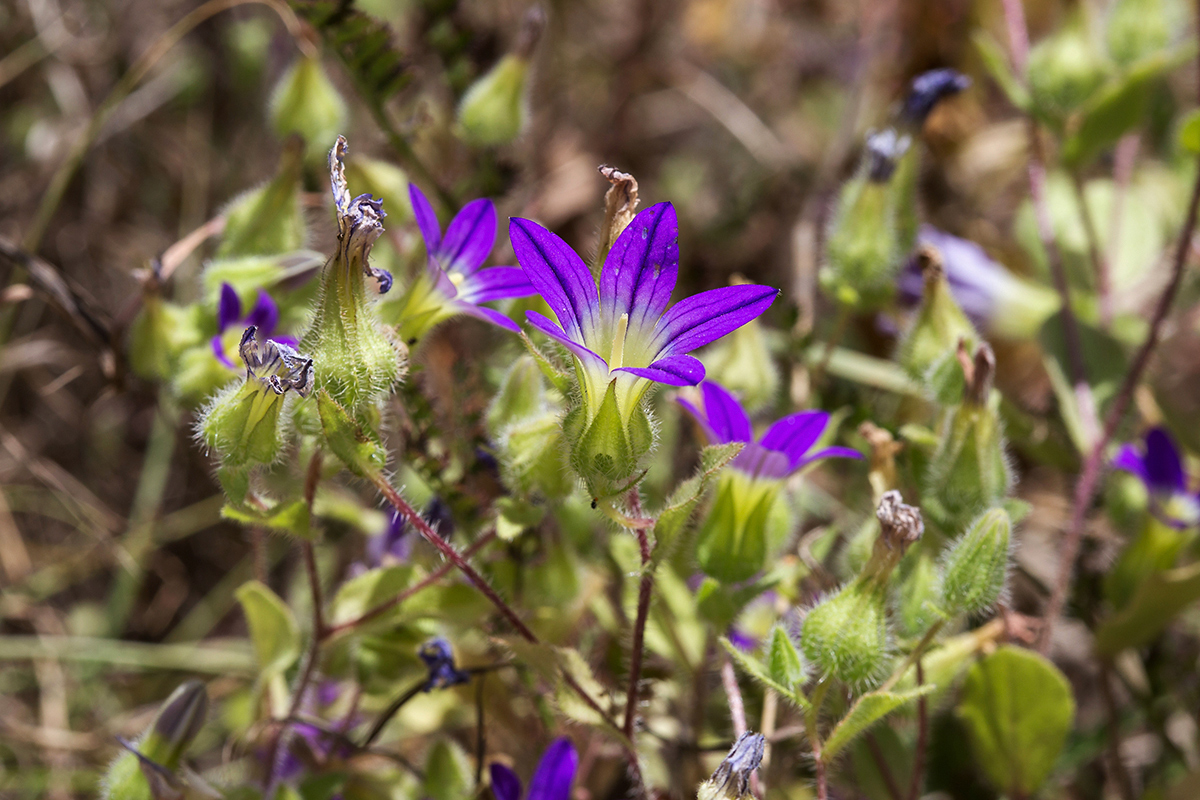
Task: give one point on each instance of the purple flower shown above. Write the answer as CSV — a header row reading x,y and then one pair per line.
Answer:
x,y
453,282
928,89
264,316
1160,467
392,545
439,660
551,781
785,447
622,331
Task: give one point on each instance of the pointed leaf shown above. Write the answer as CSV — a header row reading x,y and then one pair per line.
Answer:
x,y
287,518
360,594
1157,601
784,664
683,501
866,711
361,454
759,672
273,628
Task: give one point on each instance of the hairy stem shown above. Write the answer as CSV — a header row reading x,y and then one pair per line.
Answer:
x,y
645,593
918,768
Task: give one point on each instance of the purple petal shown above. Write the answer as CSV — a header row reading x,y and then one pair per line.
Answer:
x,y
469,238
219,351
697,320
496,283
555,773
795,434
229,308
1164,469
505,783
290,341
488,315
265,314
427,221
640,271
758,461
741,640
1130,460
677,370
725,413
559,275
589,358
828,452
710,436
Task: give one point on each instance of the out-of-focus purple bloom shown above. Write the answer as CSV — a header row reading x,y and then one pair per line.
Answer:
x,y
1159,465
392,544
453,282
928,89
622,330
786,446
741,640
551,781
993,298
439,659
264,316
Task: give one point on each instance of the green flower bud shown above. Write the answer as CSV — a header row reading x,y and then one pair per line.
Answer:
x,y
357,358
494,110
742,362
731,780
531,456
927,351
1064,70
245,424
969,470
268,220
159,335
1138,28
873,227
917,608
733,540
607,451
307,103
846,635
1154,549
521,395
148,769
975,568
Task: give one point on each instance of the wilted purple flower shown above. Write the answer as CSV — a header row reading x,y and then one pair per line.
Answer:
x,y
439,659
1160,467
551,781
784,448
453,282
264,316
622,331
995,300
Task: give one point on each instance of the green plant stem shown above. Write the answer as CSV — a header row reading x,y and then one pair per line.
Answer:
x,y
812,721
918,768
218,658
913,657
1095,254
637,651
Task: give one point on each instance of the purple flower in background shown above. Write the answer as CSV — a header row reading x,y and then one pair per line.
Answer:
x,y
264,316
995,300
439,659
786,447
551,781
928,89
1159,465
622,331
453,282
390,546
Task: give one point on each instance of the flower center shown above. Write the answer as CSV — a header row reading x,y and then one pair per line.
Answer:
x,y
618,348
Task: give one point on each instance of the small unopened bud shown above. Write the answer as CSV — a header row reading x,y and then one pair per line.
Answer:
x,y
940,326
159,335
268,220
306,102
620,206
731,780
494,110
179,720
900,526
1138,28
521,396
975,568
846,636
884,150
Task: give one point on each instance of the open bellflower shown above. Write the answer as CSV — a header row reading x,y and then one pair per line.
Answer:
x,y
551,781
452,282
622,335
735,537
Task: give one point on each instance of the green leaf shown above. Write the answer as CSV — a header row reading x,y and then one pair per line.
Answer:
x,y
361,454
273,628
674,516
447,772
784,664
1189,132
759,672
866,711
287,518
558,379
995,61
1018,710
1157,601
359,595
